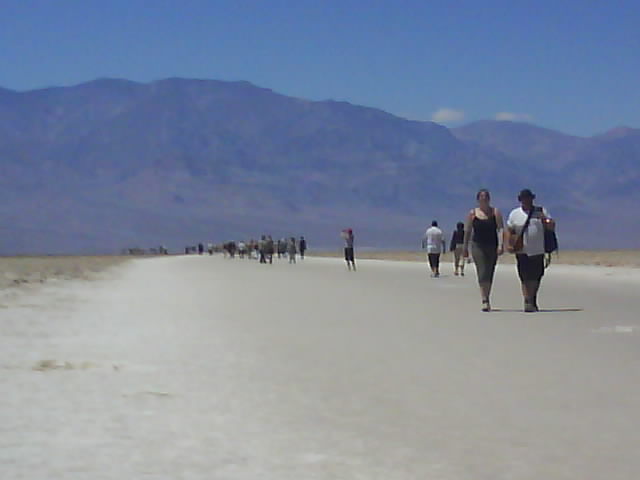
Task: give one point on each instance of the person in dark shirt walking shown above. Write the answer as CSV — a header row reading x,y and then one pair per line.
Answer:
x,y
270,248
484,230
457,247
349,255
302,247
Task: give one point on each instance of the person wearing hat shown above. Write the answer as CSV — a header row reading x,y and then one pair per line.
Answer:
x,y
524,236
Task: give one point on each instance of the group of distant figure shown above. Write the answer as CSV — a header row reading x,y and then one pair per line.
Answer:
x,y
161,250
530,235
262,250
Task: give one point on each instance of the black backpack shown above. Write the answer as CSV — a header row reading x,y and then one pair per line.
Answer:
x,y
550,245
550,238
550,241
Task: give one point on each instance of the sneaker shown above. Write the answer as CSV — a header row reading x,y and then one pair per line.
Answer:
x,y
529,307
486,306
456,273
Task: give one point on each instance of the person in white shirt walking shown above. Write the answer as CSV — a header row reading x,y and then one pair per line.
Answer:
x,y
292,250
524,236
433,241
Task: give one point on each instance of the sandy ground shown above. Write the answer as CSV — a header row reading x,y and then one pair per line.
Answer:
x,y
607,258
16,271
202,368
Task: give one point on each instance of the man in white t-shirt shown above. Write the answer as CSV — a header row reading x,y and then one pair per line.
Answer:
x,y
434,242
530,259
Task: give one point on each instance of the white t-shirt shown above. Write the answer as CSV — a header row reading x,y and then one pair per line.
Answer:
x,y
434,238
534,236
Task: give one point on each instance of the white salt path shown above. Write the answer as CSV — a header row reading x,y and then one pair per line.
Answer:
x,y
206,368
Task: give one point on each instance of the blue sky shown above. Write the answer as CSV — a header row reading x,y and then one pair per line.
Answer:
x,y
571,66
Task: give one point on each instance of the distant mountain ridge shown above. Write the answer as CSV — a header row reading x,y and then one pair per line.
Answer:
x,y
113,163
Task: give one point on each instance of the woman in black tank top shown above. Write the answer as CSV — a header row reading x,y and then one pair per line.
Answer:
x,y
485,231
483,227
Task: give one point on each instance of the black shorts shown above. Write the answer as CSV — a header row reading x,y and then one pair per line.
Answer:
x,y
530,268
434,260
348,254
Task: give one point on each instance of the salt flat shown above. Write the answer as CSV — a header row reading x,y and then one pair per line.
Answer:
x,y
204,367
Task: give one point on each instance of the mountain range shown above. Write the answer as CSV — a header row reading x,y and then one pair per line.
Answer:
x,y
112,163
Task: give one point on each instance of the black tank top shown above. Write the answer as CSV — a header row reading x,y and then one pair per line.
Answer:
x,y
458,237
485,232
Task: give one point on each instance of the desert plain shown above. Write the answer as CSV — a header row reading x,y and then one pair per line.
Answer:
x,y
203,367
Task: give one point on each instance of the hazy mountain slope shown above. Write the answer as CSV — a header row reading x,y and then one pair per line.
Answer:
x,y
112,163
525,142
598,171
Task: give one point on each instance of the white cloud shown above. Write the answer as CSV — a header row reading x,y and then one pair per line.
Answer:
x,y
447,115
412,116
513,117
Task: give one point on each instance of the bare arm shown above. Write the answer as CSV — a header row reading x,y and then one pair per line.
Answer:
x,y
468,226
508,233
500,225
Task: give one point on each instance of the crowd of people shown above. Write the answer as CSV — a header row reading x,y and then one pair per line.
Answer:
x,y
529,234
262,250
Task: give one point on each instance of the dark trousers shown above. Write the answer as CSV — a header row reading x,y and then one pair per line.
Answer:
x,y
434,261
349,255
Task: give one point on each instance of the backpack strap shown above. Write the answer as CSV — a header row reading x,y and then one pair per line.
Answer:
x,y
526,224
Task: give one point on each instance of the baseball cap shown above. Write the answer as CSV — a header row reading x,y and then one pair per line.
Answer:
x,y
526,193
